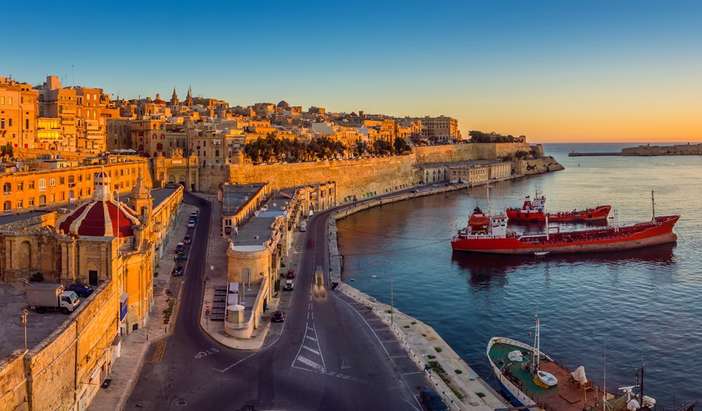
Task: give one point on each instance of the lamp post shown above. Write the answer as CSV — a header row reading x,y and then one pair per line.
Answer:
x,y
24,316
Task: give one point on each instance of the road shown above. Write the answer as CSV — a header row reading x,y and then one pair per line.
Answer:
x,y
331,355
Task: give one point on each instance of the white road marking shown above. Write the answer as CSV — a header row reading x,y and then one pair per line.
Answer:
x,y
311,338
310,349
309,362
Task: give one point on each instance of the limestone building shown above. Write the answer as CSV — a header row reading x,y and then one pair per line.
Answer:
x,y
109,244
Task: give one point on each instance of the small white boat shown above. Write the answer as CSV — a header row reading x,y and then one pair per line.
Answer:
x,y
541,253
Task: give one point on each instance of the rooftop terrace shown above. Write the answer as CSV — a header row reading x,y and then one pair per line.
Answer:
x,y
257,230
234,196
39,326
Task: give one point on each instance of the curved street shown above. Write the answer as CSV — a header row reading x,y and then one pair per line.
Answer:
x,y
331,355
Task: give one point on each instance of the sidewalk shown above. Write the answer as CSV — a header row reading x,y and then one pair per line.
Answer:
x,y
126,368
216,277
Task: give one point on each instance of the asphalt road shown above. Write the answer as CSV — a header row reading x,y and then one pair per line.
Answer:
x,y
331,355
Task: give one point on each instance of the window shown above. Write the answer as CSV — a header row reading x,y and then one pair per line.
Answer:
x,y
26,123
62,180
52,182
20,204
31,185
7,188
7,206
42,184
30,202
9,121
20,186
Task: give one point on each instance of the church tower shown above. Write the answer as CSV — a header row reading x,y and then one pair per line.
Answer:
x,y
174,98
141,200
189,98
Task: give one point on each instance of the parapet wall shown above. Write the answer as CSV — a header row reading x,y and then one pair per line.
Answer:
x,y
352,177
361,178
63,371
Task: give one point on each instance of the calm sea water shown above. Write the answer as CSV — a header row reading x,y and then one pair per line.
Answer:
x,y
633,308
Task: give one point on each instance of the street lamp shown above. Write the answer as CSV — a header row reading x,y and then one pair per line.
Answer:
x,y
23,320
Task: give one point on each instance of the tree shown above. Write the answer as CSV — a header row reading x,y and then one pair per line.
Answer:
x,y
400,145
382,147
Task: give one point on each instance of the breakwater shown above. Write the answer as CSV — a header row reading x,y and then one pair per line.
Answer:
x,y
648,151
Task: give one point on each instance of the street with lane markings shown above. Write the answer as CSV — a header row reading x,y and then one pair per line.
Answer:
x,y
333,354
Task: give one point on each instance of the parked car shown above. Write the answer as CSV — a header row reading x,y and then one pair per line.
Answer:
x,y
290,275
177,271
181,256
180,247
278,317
187,239
82,290
431,401
191,224
289,285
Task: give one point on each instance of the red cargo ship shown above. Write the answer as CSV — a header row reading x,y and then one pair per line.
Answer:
x,y
488,234
532,211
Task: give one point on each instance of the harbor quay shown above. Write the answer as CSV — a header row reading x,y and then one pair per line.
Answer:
x,y
458,384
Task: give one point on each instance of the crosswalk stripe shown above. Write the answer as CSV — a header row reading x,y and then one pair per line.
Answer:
x,y
310,349
309,362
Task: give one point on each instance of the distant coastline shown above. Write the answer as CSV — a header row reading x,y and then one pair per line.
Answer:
x,y
648,150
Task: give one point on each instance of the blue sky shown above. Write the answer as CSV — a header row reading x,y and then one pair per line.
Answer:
x,y
611,70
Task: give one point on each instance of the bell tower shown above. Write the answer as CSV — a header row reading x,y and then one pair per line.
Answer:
x,y
141,199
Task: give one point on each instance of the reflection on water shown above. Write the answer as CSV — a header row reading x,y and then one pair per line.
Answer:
x,y
639,306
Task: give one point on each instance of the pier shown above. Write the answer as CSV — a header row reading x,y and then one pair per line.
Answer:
x,y
595,154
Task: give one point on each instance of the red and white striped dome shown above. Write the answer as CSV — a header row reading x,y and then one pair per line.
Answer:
x,y
102,216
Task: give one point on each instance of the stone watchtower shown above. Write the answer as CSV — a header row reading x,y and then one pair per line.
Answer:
x,y
141,200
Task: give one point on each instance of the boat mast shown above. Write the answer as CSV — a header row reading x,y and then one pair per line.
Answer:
x,y
641,388
535,356
653,207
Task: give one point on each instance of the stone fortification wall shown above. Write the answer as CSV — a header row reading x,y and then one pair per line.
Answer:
x,y
353,177
467,152
58,371
13,384
358,178
673,150
537,166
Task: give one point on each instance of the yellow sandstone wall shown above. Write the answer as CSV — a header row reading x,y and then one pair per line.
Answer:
x,y
360,178
352,177
52,370
13,385
60,367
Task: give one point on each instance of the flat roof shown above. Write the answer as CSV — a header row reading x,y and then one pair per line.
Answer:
x,y
39,326
234,196
160,195
257,230
13,218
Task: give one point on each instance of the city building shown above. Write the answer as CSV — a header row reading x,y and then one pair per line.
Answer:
x,y
257,248
105,243
54,183
18,113
440,129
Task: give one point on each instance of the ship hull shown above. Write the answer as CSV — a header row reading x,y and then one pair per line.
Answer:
x,y
535,216
512,393
607,240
